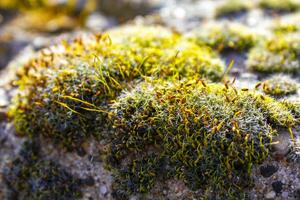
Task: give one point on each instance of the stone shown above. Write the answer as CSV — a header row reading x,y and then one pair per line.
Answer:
x,y
268,170
281,144
103,189
285,195
3,98
277,186
270,195
297,194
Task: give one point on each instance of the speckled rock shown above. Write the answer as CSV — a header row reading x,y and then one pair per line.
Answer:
x,y
270,195
268,170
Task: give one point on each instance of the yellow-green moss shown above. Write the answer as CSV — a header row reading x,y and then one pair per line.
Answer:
x,y
275,54
279,5
224,36
230,7
207,135
49,16
280,85
65,92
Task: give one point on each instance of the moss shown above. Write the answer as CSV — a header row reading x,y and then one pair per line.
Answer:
x,y
293,106
210,135
275,54
278,5
65,92
280,85
30,177
230,7
224,36
49,16
283,28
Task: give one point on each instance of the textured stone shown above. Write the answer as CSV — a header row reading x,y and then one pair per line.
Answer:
x,y
268,170
270,195
277,186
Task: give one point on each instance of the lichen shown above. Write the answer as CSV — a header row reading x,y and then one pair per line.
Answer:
x,y
32,177
208,135
224,36
65,92
275,54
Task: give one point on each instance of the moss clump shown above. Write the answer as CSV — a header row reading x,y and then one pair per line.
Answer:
x,y
65,92
224,36
230,7
278,5
208,135
284,28
49,16
30,177
275,54
280,85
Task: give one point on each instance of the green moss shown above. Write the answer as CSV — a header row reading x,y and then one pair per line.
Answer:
x,y
30,177
65,92
210,135
230,7
224,36
275,54
280,85
278,5
293,106
284,28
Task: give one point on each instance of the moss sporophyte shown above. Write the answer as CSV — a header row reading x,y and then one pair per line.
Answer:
x,y
152,95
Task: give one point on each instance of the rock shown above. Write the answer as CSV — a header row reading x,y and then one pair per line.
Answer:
x,y
98,22
297,194
268,170
270,195
3,114
89,181
103,189
285,195
3,98
281,145
277,186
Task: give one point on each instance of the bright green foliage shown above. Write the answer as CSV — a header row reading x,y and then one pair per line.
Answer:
x,y
209,135
279,5
65,92
224,36
229,7
275,54
280,85
30,177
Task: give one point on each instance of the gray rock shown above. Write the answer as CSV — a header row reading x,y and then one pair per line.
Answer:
x,y
103,189
3,98
281,144
285,195
270,195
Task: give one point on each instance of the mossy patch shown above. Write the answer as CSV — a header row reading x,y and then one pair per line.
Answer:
x,y
30,177
231,7
224,36
278,5
207,135
65,92
280,85
275,54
